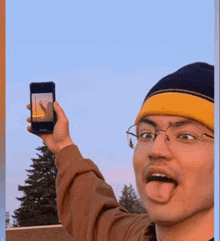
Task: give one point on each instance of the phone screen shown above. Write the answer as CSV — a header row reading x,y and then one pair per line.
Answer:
x,y
43,117
42,107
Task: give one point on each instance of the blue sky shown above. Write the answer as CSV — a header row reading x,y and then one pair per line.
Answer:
x,y
103,57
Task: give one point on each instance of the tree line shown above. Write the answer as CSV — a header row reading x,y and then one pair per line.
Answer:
x,y
38,204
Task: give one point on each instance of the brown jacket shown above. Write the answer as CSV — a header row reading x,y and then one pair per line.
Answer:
x,y
87,206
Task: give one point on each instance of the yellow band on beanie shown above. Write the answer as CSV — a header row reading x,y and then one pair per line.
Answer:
x,y
179,104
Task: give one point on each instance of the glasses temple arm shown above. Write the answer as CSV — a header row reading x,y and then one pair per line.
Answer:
x,y
208,135
127,132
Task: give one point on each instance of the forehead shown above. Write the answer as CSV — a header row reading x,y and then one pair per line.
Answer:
x,y
163,121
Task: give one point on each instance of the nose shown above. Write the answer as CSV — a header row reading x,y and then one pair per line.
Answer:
x,y
166,137
160,146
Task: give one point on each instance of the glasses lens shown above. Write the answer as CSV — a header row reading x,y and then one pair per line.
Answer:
x,y
184,138
131,137
179,137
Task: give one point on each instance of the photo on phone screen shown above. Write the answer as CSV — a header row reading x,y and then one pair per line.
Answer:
x,y
42,107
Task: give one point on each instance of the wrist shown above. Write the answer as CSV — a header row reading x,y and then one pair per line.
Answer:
x,y
63,145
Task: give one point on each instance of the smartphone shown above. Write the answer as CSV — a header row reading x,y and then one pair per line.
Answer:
x,y
43,116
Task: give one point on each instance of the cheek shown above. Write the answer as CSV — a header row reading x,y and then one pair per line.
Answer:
x,y
198,169
206,173
140,159
139,162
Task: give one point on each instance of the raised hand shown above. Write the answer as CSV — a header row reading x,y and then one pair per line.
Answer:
x,y
60,137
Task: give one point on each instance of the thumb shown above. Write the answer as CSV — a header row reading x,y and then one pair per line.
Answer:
x,y
60,113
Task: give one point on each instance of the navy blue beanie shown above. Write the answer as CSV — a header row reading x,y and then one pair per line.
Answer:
x,y
188,92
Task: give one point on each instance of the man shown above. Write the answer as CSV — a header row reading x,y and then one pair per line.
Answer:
x,y
173,143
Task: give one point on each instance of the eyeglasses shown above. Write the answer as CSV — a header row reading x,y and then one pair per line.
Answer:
x,y
178,137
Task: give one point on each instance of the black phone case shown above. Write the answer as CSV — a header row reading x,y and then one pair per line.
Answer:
x,y
42,87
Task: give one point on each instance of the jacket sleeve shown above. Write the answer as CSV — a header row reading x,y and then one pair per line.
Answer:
x,y
87,206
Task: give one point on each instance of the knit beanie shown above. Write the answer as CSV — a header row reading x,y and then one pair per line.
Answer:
x,y
188,92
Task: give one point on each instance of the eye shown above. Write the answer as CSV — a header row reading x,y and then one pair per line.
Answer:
x,y
186,136
146,136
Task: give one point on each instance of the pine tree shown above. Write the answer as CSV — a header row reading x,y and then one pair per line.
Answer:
x,y
38,205
130,201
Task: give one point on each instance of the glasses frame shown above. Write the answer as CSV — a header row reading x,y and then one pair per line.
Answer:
x,y
159,130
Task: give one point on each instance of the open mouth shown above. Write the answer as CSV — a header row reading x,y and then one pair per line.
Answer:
x,y
160,178
160,187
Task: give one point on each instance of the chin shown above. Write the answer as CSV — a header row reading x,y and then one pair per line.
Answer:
x,y
163,214
164,221
160,218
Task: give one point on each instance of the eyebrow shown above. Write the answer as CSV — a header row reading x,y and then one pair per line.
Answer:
x,y
181,123
177,123
147,121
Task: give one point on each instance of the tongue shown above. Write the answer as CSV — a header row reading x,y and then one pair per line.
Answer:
x,y
160,191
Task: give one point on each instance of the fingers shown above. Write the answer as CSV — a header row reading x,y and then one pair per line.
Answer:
x,y
29,119
29,128
60,113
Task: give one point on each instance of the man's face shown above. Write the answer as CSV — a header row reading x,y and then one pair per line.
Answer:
x,y
192,191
